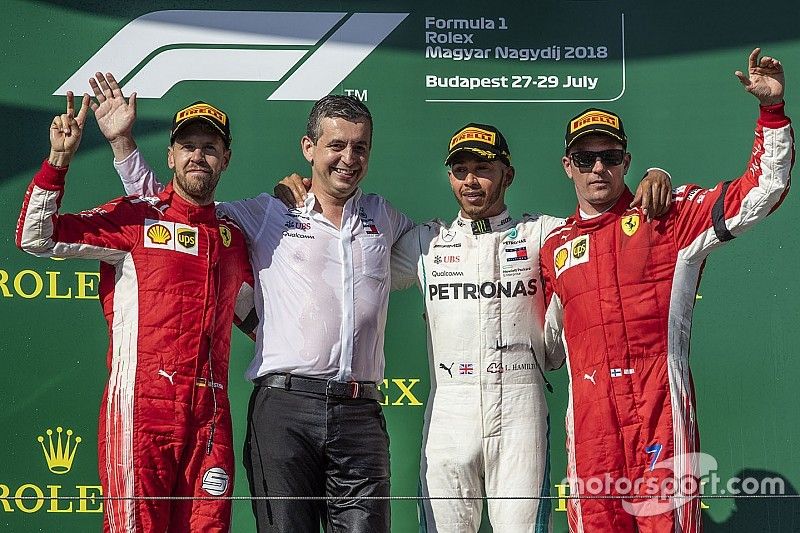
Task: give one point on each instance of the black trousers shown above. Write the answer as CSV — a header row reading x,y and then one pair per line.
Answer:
x,y
304,444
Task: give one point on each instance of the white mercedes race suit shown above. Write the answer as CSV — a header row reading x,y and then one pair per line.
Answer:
x,y
486,423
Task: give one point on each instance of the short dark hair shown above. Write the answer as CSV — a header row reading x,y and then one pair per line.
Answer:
x,y
349,108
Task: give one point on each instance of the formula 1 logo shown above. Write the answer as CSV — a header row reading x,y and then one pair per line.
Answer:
x,y
309,53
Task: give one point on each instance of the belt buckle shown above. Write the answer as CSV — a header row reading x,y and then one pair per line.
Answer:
x,y
353,389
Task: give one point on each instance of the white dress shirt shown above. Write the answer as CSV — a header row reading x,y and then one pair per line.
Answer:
x,y
324,291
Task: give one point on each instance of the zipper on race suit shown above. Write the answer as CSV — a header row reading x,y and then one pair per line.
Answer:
x,y
213,277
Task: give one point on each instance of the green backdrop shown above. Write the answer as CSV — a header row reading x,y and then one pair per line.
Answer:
x,y
666,67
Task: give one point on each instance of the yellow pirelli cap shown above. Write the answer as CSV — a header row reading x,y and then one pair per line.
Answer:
x,y
202,111
481,139
595,120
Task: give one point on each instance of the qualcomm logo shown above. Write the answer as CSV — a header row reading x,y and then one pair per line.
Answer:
x,y
310,53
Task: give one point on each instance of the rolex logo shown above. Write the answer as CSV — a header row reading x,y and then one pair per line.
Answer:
x,y
59,456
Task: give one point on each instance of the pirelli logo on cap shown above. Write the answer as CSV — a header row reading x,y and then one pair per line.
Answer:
x,y
200,110
593,117
473,134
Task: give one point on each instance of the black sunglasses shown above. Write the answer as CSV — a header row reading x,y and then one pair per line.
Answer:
x,y
586,159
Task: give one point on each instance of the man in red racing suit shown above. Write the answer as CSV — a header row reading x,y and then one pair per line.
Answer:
x,y
621,292
171,272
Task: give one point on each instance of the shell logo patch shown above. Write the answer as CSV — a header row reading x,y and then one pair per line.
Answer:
x,y
159,234
561,258
571,253
225,233
630,224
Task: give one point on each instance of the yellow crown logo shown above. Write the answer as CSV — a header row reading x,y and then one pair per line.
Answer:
x,y
59,457
159,234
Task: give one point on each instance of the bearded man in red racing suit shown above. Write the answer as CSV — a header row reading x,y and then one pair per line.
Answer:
x,y
620,292
172,273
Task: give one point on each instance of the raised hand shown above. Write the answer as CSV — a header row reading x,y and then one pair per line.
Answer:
x,y
764,78
66,131
115,115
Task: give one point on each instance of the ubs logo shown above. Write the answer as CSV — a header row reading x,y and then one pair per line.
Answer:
x,y
439,259
293,224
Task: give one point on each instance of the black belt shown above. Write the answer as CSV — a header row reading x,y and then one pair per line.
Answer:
x,y
327,387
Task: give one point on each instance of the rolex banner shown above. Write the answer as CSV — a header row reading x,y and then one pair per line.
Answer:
x,y
424,71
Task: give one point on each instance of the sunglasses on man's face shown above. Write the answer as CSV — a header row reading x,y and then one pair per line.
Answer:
x,y
587,159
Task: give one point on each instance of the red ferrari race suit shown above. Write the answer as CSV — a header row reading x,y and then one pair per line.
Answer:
x,y
170,276
621,293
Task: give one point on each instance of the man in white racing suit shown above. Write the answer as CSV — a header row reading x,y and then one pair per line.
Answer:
x,y
486,424
486,429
